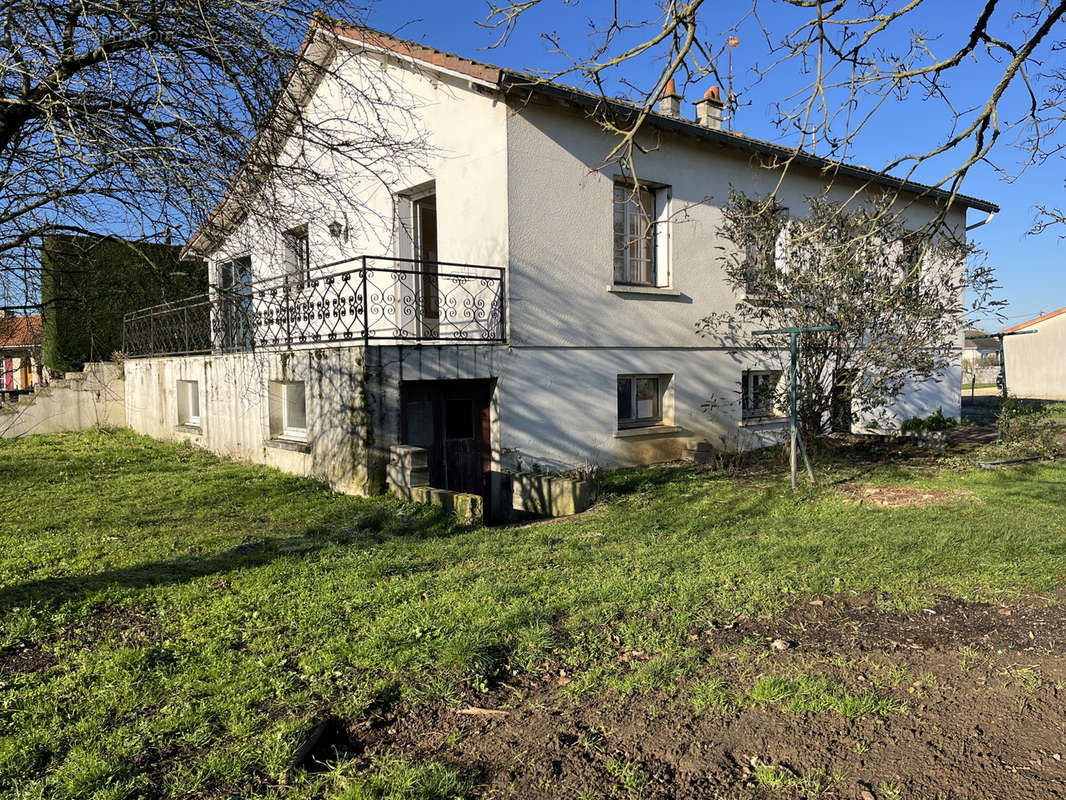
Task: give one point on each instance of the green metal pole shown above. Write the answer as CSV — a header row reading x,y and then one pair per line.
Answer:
x,y
792,415
1002,366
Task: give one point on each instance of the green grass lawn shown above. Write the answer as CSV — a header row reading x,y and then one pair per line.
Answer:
x,y
197,615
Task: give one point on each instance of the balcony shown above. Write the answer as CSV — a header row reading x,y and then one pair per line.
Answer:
x,y
370,299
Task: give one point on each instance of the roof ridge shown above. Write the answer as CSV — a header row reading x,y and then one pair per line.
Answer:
x,y
1041,318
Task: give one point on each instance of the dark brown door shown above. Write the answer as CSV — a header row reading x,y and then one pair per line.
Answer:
x,y
451,420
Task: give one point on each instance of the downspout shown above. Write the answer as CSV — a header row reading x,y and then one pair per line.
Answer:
x,y
985,221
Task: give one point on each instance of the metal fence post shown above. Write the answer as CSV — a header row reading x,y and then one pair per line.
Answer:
x,y
366,309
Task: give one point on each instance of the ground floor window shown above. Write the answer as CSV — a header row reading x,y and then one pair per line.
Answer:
x,y
189,403
758,390
640,400
288,410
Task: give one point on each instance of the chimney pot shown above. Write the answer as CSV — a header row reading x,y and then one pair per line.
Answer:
x,y
670,100
709,109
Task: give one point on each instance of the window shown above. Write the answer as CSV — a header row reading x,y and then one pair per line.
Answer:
x,y
640,400
912,248
758,388
189,403
765,260
640,235
296,252
235,322
288,410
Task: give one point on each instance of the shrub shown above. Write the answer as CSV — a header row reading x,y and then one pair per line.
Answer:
x,y
934,422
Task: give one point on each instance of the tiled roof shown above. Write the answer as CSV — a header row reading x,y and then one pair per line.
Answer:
x,y
515,82
512,80
1034,321
428,55
20,331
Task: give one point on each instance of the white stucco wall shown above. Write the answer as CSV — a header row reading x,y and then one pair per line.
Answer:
x,y
1036,362
566,320
464,153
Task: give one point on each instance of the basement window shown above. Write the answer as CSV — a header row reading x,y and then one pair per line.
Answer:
x,y
758,390
288,411
189,404
640,400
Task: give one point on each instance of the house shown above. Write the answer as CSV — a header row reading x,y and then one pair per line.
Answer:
x,y
496,307
20,352
980,356
1036,362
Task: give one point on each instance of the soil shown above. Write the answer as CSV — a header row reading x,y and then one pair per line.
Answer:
x,y
26,659
900,496
128,625
983,688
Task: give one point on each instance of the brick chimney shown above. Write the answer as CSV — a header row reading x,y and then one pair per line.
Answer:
x,y
709,109
670,101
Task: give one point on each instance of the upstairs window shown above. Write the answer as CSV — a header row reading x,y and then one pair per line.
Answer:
x,y
766,261
297,256
912,248
758,389
640,235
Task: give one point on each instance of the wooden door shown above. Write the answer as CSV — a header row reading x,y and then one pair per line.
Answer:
x,y
451,420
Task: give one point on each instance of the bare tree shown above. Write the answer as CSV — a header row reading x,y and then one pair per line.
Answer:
x,y
895,297
844,64
130,117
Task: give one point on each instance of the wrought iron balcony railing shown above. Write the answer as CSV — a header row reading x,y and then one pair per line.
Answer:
x,y
368,299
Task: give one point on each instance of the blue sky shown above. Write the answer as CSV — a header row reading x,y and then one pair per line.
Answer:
x,y
1029,267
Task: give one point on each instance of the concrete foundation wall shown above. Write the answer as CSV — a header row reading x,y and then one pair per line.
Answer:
x,y
92,398
235,410
553,407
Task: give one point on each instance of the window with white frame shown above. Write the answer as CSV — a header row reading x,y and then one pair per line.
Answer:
x,y
288,410
758,393
297,256
189,403
640,399
766,260
641,235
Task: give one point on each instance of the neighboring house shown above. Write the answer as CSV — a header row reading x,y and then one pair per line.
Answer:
x,y
980,356
1036,362
515,312
20,352
89,282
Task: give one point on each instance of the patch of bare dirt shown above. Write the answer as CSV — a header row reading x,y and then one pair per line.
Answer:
x,y
982,687
26,659
905,496
128,625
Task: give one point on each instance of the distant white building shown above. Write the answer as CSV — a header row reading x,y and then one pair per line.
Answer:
x,y
1036,362
572,339
980,357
